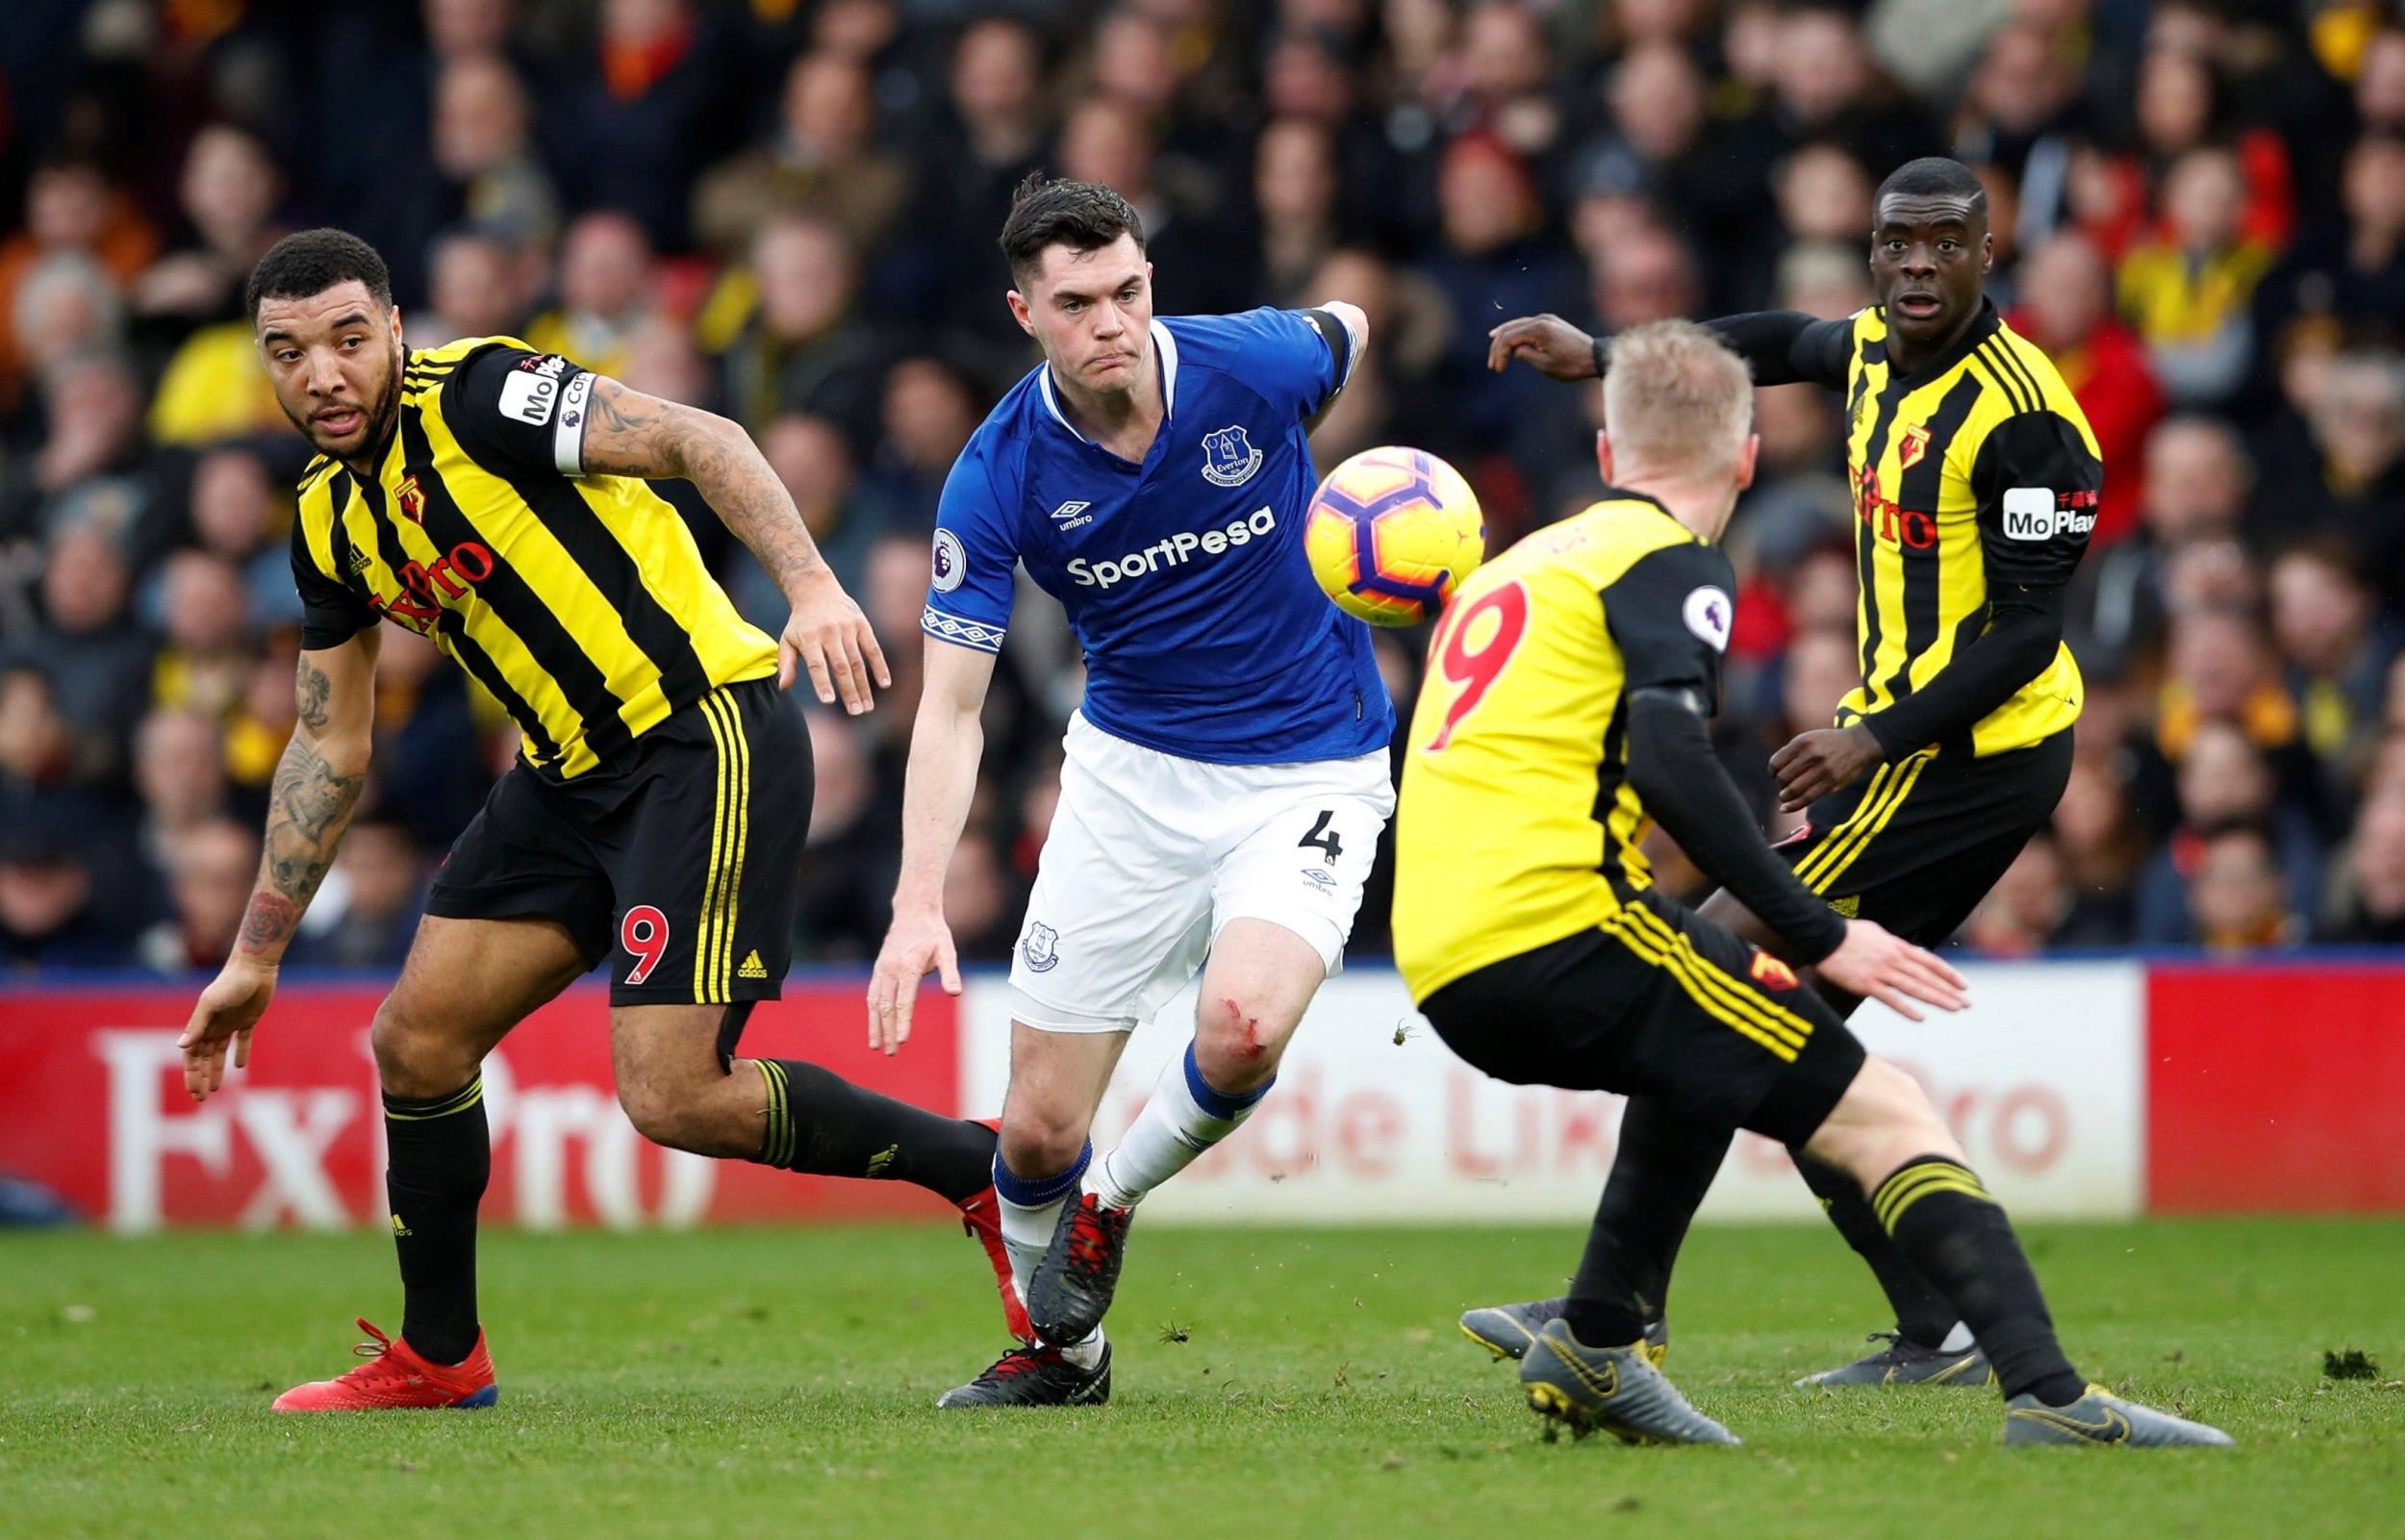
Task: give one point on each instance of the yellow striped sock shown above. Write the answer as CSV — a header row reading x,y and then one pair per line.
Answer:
x,y
403,1110
1917,1181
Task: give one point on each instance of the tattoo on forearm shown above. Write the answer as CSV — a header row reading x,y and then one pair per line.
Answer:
x,y
755,506
308,807
269,920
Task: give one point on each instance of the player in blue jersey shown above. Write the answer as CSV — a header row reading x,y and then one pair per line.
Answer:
x,y
1227,777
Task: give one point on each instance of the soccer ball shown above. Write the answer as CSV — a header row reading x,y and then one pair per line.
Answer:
x,y
1391,532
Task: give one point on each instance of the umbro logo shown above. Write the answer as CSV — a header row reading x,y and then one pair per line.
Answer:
x,y
1069,515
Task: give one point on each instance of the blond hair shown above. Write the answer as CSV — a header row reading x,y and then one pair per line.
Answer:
x,y
1677,402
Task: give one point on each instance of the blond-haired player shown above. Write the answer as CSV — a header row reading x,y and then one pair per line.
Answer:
x,y
1564,711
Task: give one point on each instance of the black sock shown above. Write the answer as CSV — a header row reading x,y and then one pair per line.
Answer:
x,y
1921,1313
1948,1227
820,1123
1658,1174
440,1158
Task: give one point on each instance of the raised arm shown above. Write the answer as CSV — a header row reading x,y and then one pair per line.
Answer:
x,y
945,743
1784,348
316,783
626,433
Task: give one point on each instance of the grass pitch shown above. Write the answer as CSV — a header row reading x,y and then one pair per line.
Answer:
x,y
1269,1382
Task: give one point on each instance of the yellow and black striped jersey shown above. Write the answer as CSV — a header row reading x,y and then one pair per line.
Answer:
x,y
579,601
1972,475
1517,825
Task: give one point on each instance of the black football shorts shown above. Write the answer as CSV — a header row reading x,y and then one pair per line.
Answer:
x,y
677,857
1657,1001
1918,841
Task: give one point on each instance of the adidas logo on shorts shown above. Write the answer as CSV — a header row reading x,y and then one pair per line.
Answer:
x,y
751,968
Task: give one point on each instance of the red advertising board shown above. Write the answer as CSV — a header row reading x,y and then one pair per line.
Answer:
x,y
92,1105
2275,1090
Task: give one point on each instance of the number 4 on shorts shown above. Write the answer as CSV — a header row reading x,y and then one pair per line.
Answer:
x,y
1324,837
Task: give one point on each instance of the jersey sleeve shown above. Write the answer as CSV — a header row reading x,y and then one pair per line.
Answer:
x,y
1299,359
2037,486
1788,348
331,614
1669,615
521,411
976,549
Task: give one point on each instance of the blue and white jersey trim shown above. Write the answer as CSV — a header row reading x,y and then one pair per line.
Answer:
x,y
964,633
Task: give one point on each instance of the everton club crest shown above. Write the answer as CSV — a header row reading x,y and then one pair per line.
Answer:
x,y
1229,458
1038,948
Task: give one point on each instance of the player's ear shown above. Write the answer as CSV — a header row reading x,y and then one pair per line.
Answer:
x,y
1987,251
1746,457
396,326
1603,454
1019,312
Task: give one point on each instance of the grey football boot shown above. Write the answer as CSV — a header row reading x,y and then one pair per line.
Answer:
x,y
2101,1417
1506,1330
1905,1362
1615,1389
1034,1376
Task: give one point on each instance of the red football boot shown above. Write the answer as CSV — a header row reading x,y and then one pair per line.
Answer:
x,y
981,1216
395,1378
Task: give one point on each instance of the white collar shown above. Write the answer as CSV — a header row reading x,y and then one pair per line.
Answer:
x,y
1164,348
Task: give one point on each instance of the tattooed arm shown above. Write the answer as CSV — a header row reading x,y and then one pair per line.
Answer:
x,y
316,783
629,434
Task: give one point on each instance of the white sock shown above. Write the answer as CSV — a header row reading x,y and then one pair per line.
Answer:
x,y
1958,1340
1184,1118
1027,1235
1030,1211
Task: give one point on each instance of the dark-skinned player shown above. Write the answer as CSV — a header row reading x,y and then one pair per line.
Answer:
x,y
498,501
1974,481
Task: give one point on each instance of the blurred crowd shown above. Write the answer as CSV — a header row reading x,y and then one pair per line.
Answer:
x,y
785,211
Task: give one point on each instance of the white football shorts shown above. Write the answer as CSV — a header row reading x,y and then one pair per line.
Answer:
x,y
1151,854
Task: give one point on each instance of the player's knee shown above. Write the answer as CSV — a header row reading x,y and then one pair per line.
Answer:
x,y
414,1056
1040,1141
1236,1041
661,1114
1884,1120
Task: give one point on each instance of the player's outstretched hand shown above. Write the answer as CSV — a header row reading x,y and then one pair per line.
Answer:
x,y
917,944
1820,762
228,1009
828,636
1547,344
1877,965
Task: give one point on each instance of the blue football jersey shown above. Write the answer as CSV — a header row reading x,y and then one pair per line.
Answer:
x,y
1184,578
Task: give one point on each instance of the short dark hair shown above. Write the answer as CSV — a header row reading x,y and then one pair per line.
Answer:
x,y
1935,176
2329,550
1081,215
311,262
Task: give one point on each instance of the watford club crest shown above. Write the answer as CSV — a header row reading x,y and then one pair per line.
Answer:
x,y
412,498
1915,445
